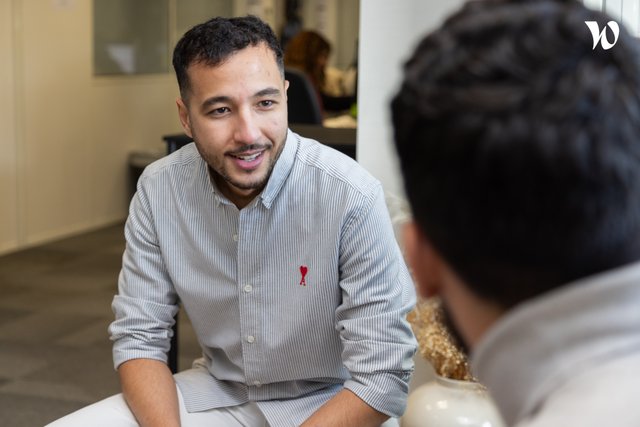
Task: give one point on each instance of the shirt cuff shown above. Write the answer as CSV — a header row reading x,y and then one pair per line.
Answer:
x,y
386,392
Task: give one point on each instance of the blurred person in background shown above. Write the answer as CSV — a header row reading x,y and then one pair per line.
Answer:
x,y
309,51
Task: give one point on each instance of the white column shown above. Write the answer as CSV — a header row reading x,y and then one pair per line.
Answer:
x,y
593,4
626,12
631,16
613,8
388,34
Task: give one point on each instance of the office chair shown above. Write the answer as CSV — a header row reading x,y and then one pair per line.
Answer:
x,y
302,99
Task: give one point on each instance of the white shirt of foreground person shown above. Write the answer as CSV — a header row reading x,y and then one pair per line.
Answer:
x,y
301,293
570,357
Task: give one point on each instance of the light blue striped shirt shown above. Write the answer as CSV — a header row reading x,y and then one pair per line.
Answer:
x,y
301,293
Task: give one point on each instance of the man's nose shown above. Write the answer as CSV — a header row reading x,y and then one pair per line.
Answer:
x,y
247,130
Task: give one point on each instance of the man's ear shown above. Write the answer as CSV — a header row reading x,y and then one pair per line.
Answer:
x,y
426,263
183,113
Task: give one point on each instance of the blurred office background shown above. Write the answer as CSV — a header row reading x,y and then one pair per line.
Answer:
x,y
84,83
68,122
70,117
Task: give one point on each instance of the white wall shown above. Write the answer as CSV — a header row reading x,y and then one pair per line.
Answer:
x,y
388,33
65,134
8,145
337,20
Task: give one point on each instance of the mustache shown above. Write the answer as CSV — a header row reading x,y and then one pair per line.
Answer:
x,y
248,148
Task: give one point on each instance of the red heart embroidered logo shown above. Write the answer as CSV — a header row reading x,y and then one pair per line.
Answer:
x,y
303,273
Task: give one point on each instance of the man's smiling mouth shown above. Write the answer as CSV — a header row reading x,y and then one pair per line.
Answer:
x,y
248,157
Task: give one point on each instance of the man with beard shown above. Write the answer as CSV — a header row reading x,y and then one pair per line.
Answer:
x,y
280,250
520,150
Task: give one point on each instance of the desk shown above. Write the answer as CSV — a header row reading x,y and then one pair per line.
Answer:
x,y
342,139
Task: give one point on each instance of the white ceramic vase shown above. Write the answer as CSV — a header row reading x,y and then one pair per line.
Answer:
x,y
444,402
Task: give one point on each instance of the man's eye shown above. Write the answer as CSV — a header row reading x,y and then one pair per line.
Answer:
x,y
219,111
266,103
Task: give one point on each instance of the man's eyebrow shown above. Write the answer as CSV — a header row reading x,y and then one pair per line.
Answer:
x,y
223,99
215,100
270,91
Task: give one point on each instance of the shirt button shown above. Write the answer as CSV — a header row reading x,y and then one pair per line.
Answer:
x,y
248,288
235,237
251,339
257,383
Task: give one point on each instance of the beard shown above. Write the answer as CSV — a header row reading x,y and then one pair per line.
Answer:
x,y
256,184
218,169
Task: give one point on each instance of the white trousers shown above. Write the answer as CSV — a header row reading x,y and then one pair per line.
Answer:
x,y
114,412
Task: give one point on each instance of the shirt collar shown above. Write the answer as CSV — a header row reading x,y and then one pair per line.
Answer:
x,y
281,170
542,343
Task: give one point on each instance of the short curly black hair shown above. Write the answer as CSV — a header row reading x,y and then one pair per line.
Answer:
x,y
214,41
519,145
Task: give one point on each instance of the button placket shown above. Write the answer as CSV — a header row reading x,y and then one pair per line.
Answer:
x,y
247,249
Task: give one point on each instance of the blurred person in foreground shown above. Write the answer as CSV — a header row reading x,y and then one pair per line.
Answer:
x,y
280,250
519,144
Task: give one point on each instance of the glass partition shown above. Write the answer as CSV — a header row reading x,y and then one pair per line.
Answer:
x,y
130,37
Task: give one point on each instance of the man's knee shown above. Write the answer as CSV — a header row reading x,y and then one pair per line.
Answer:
x,y
110,412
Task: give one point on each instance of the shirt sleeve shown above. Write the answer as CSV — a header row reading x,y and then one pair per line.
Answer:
x,y
377,294
146,302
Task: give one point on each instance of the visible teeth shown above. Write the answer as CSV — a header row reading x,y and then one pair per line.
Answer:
x,y
249,158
